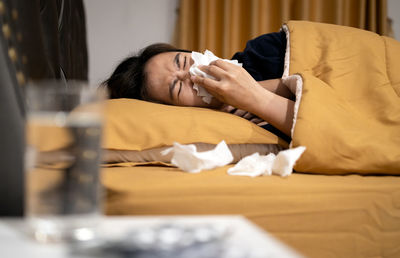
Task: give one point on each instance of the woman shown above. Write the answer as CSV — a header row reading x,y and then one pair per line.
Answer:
x,y
160,73
347,81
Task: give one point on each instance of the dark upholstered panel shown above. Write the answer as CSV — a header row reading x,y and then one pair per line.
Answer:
x,y
39,39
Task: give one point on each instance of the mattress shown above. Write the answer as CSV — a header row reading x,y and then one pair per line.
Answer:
x,y
318,215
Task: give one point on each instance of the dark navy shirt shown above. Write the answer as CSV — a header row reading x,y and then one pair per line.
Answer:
x,y
263,58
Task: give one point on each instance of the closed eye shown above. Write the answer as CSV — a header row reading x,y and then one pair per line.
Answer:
x,y
177,60
184,63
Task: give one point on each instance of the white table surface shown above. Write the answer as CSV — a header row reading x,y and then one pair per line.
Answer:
x,y
244,235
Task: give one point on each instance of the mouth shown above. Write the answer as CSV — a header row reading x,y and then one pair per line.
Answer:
x,y
191,61
194,91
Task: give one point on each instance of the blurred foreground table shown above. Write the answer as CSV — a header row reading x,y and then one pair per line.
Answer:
x,y
189,236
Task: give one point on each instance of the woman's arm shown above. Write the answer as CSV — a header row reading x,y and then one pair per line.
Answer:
x,y
274,109
234,86
276,86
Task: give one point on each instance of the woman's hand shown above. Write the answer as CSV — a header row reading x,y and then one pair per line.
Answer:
x,y
233,85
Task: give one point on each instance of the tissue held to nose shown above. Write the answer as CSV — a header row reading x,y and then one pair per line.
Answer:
x,y
205,59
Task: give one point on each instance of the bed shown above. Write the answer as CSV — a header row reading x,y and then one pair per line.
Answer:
x,y
318,215
344,198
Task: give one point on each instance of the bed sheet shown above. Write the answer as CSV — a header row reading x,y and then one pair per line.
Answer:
x,y
319,215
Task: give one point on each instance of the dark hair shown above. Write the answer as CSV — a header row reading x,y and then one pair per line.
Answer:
x,y
128,79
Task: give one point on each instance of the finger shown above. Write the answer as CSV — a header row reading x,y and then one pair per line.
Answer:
x,y
213,70
207,83
222,64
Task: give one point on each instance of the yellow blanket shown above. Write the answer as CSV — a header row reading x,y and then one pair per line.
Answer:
x,y
348,98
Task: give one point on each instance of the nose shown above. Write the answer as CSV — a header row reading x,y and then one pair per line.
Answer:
x,y
183,75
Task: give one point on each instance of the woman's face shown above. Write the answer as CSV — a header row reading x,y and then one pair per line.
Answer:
x,y
168,81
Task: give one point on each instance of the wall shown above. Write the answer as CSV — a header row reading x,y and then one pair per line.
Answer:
x,y
394,14
117,28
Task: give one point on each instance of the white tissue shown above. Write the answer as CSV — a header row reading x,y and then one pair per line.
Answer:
x,y
256,165
188,159
253,165
285,160
205,59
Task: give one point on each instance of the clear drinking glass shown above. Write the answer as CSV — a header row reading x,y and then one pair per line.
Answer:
x,y
62,160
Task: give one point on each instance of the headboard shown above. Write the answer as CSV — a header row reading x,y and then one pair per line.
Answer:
x,y
39,39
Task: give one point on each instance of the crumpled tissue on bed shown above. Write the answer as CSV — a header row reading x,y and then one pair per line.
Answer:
x,y
257,165
187,158
205,59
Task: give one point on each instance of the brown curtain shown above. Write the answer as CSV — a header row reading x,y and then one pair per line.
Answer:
x,y
224,26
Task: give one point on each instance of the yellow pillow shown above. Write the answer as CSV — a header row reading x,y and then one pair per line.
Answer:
x,y
138,125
